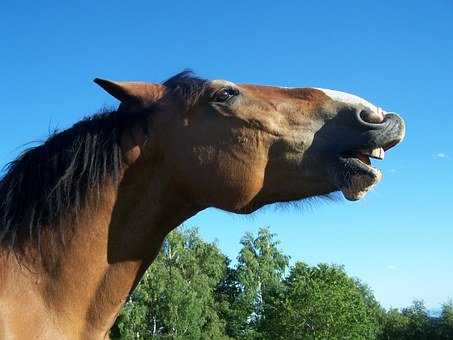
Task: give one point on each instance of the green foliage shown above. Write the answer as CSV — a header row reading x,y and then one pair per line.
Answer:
x,y
419,321
446,321
394,325
191,292
415,323
322,303
260,270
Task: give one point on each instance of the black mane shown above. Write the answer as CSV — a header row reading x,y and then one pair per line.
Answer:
x,y
46,182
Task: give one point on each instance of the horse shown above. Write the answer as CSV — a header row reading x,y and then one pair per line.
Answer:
x,y
84,214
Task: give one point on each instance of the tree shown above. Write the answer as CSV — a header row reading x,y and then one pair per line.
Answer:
x,y
176,295
375,311
259,272
446,321
394,325
419,326
192,292
322,302
410,323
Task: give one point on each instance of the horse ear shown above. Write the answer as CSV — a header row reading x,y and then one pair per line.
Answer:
x,y
126,91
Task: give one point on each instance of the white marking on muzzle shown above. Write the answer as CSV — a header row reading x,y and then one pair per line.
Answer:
x,y
351,99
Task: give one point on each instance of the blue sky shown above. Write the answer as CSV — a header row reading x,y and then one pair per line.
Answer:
x,y
398,55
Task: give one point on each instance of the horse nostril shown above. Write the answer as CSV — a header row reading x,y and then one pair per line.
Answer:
x,y
373,117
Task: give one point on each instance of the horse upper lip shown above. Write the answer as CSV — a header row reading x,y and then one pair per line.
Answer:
x,y
375,142
388,134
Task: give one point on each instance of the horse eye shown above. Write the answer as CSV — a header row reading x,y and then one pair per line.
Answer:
x,y
225,94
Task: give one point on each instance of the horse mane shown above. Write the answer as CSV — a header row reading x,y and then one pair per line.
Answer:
x,y
48,182
187,87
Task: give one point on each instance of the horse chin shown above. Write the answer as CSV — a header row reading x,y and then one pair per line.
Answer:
x,y
355,178
249,208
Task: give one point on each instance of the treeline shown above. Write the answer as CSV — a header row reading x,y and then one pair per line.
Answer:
x,y
192,292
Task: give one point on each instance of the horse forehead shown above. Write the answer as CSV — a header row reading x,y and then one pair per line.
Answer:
x,y
309,95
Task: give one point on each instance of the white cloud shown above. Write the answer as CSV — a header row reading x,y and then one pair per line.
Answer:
x,y
441,155
392,267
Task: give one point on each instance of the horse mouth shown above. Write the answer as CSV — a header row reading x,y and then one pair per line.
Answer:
x,y
356,175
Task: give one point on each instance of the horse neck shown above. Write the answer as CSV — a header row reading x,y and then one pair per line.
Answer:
x,y
110,247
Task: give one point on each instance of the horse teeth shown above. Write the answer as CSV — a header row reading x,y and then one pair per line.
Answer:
x,y
377,153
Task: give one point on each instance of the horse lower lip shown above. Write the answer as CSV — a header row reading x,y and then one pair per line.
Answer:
x,y
356,177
